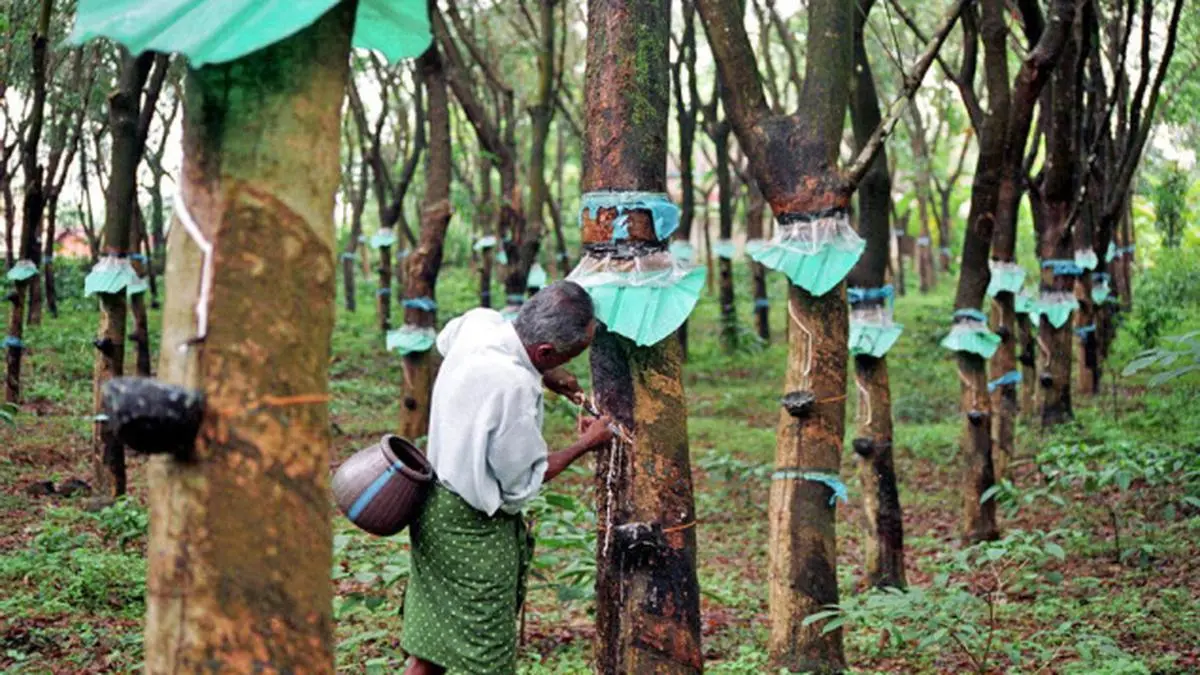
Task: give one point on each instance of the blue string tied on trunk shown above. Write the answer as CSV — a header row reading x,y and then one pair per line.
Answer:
x,y
515,299
761,303
1062,267
924,241
663,211
856,295
13,342
961,315
423,303
1084,331
826,478
383,292
1011,377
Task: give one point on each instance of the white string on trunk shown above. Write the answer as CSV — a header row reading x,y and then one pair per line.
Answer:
x,y
808,364
206,271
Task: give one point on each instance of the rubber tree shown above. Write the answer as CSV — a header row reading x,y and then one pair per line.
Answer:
x,y
718,129
240,536
541,112
426,259
389,192
355,185
794,158
32,205
926,272
687,112
1003,131
648,603
72,108
1056,187
495,133
884,540
108,453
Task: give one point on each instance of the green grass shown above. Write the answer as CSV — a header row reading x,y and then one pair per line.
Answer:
x,y
1096,575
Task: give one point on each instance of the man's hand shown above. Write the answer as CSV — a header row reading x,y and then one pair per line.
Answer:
x,y
562,382
596,432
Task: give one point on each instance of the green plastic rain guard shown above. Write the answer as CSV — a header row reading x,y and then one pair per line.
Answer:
x,y
1100,288
1110,253
138,285
644,298
1086,259
22,270
970,334
411,339
1023,303
725,249
537,277
873,339
485,243
754,246
682,251
815,252
1007,277
110,275
384,237
1057,307
216,31
502,256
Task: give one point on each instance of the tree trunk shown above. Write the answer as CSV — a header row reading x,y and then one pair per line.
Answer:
x,y
137,301
1028,360
34,202
383,294
979,518
755,210
358,202
926,272
1053,206
687,110
48,254
35,290
485,211
527,236
426,259
718,132
648,595
108,453
884,541
794,159
240,534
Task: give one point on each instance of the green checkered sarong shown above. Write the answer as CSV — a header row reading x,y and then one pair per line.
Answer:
x,y
467,586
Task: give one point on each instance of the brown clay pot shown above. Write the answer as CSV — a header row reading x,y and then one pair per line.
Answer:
x,y
383,488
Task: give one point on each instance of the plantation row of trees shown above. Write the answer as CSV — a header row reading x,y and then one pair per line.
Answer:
x,y
509,108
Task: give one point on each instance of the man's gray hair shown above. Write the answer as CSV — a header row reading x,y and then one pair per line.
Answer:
x,y
557,315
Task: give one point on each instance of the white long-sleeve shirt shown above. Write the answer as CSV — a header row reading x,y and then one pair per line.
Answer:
x,y
485,425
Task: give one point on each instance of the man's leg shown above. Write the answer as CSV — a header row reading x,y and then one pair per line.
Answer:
x,y
418,667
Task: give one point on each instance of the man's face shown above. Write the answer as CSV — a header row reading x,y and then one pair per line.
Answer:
x,y
545,357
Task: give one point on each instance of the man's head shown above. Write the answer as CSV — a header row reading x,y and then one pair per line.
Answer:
x,y
556,324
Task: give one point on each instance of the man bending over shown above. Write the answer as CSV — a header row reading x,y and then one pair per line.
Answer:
x,y
470,549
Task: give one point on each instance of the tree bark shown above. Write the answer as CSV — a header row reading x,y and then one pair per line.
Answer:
x,y
648,601
426,259
926,272
137,302
755,210
1058,185
794,159
884,541
718,132
240,533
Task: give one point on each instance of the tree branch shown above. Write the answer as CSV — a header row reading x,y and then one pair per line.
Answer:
x,y
858,168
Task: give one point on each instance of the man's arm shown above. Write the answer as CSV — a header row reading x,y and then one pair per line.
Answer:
x,y
595,435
